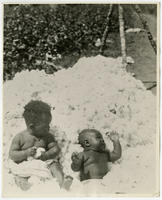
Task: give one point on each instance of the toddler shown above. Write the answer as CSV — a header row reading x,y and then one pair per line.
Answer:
x,y
36,142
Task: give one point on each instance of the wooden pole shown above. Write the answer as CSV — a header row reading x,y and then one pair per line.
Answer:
x,y
106,31
122,36
146,27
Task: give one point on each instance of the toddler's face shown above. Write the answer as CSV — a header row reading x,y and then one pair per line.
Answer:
x,y
42,126
96,141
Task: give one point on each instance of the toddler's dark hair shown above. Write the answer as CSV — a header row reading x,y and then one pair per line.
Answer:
x,y
34,109
83,133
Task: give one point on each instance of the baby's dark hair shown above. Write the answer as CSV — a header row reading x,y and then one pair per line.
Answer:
x,y
83,133
34,109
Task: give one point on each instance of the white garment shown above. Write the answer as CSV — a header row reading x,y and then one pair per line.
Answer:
x,y
30,168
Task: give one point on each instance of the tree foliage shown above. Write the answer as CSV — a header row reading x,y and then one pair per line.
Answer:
x,y
32,31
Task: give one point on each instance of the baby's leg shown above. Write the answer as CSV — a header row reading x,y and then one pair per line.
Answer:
x,y
22,182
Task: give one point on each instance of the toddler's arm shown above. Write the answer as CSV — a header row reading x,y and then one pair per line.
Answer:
x,y
116,153
53,149
18,155
77,161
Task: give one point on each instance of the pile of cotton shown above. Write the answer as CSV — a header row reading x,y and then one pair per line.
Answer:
x,y
95,93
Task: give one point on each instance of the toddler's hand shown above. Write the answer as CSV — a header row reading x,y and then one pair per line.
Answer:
x,y
75,156
114,137
39,152
31,151
43,156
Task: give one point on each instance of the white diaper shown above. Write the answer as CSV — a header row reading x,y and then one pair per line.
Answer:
x,y
30,168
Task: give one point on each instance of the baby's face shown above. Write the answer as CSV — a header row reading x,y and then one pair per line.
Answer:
x,y
96,141
41,128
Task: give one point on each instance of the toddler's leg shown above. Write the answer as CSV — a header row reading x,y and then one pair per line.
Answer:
x,y
67,182
57,172
22,182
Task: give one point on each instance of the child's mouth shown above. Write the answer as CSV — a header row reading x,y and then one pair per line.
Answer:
x,y
103,145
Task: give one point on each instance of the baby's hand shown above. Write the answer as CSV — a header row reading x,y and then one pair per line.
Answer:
x,y
75,156
31,151
114,137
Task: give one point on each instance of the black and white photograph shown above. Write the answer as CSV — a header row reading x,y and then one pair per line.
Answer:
x,y
81,100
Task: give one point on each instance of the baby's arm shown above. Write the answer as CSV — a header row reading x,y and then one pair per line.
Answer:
x,y
52,149
116,153
18,155
77,161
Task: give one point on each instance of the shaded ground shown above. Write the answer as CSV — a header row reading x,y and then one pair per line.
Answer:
x,y
143,54
140,49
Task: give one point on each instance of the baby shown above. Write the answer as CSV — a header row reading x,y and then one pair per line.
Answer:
x,y
26,144
92,162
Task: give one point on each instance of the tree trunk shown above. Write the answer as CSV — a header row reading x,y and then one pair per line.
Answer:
x,y
106,31
146,27
122,36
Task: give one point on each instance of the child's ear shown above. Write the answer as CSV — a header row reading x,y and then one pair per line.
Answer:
x,y
86,143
